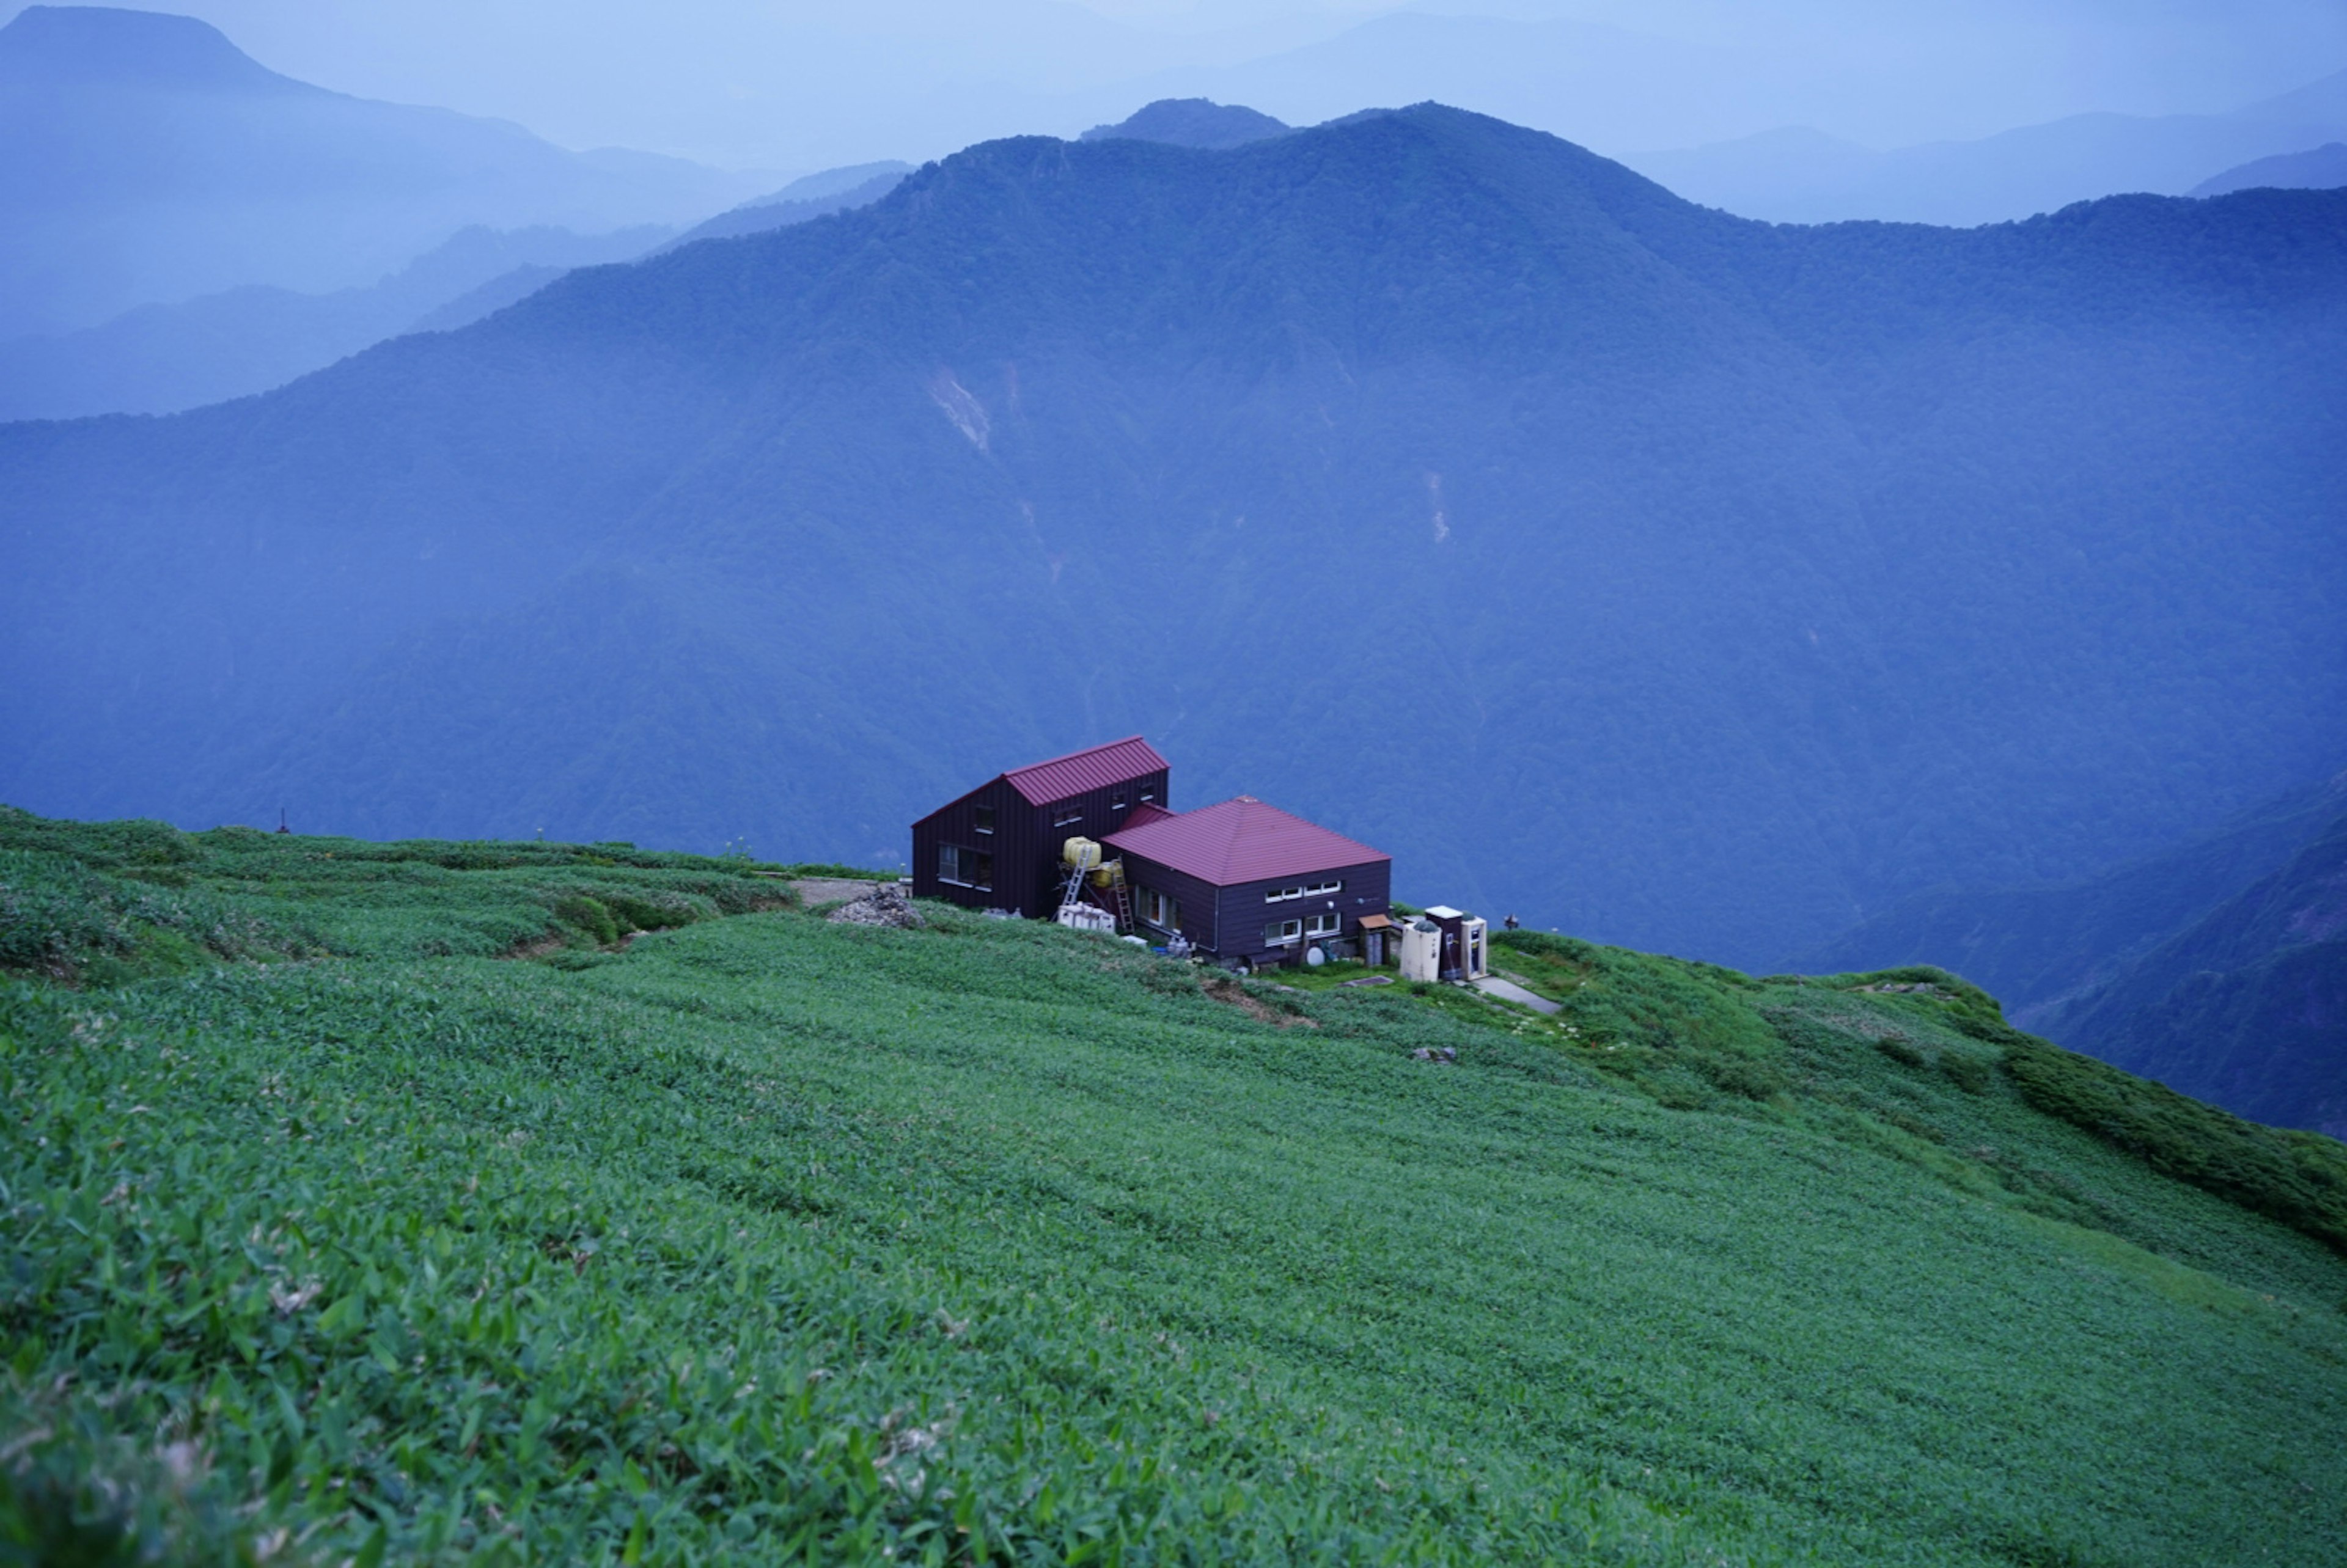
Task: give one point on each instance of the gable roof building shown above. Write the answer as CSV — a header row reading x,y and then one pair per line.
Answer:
x,y
1080,773
997,847
1243,880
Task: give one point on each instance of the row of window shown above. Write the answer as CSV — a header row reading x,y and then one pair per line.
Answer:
x,y
965,867
971,869
1279,933
981,817
1309,890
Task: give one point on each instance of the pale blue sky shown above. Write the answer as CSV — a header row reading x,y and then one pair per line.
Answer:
x,y
793,85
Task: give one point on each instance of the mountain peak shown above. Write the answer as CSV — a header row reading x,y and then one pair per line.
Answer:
x,y
1192,122
94,45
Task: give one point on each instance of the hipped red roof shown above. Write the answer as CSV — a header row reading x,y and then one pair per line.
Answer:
x,y
1240,840
1119,762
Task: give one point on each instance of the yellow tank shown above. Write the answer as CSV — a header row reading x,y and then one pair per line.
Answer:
x,y
1105,876
1080,854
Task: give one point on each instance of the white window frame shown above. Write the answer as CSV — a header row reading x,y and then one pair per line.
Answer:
x,y
1161,911
1288,933
981,819
1328,923
1067,818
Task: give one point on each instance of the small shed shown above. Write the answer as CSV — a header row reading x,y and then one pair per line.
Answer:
x,y
1246,882
997,847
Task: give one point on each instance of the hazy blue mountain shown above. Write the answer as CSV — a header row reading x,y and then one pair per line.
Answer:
x,y
1801,176
144,160
2246,1008
811,196
1192,122
1646,571
2039,948
160,359
2321,169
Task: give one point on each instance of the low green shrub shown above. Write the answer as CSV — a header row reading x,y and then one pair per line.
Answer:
x,y
2298,1178
59,918
1900,1052
588,915
655,911
1973,1074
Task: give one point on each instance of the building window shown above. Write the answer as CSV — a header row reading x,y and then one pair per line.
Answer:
x,y
965,867
1116,802
1279,933
1148,796
1303,890
1160,911
1066,817
981,819
1327,924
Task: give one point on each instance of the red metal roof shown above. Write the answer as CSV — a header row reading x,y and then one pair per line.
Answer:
x,y
1241,840
1119,762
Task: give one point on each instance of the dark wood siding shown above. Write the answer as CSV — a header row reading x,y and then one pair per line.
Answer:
x,y
1097,813
1010,843
1199,900
1025,842
1242,914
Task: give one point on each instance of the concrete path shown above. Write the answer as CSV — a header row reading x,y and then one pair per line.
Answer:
x,y
1507,990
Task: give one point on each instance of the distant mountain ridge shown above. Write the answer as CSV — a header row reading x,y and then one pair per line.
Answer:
x,y
162,359
1192,122
52,47
2320,168
1639,569
2039,948
1798,175
2247,1008
144,158
814,196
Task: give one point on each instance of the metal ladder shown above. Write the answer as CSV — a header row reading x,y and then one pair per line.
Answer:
x,y
1120,897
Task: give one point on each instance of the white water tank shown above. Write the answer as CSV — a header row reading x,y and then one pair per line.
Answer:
x,y
1422,950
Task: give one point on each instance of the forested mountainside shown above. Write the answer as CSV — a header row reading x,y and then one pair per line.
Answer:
x,y
2246,1008
550,1202
2081,962
816,196
2038,948
1675,578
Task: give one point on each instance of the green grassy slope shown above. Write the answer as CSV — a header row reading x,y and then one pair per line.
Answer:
x,y
761,1236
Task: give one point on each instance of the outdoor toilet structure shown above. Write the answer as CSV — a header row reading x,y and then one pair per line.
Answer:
x,y
1465,944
